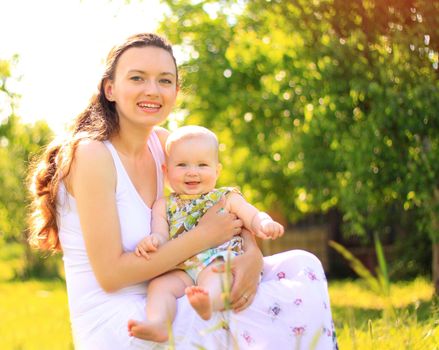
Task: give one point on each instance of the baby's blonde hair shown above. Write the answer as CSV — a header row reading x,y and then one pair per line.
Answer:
x,y
189,132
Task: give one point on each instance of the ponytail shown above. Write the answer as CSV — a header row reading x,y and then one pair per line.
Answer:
x,y
44,184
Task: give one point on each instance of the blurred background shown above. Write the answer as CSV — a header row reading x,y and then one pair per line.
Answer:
x,y
327,112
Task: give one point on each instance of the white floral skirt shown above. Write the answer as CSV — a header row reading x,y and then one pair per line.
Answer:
x,y
290,311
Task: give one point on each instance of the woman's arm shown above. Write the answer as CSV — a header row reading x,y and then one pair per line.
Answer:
x,y
92,181
246,271
246,268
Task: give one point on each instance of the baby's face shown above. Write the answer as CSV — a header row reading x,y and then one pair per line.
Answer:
x,y
192,166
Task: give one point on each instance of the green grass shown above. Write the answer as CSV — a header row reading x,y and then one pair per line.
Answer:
x,y
361,323
34,314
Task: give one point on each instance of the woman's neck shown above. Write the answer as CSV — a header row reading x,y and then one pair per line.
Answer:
x,y
131,142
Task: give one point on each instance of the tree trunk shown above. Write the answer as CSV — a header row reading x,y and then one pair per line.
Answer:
x,y
435,267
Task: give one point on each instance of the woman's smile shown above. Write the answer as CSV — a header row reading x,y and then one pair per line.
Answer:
x,y
149,107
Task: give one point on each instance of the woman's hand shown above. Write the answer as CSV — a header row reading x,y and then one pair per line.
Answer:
x,y
246,270
219,225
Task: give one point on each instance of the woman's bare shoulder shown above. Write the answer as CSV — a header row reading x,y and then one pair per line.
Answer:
x,y
92,161
92,150
163,134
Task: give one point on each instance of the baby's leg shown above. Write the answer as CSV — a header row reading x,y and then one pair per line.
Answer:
x,y
161,306
208,295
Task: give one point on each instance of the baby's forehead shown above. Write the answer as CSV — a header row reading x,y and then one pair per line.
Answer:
x,y
203,148
201,139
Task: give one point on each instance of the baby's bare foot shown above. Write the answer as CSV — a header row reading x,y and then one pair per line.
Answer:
x,y
200,301
156,332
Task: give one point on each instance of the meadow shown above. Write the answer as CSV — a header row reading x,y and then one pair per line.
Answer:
x,y
34,313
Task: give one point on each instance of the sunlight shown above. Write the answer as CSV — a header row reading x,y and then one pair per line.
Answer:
x,y
61,47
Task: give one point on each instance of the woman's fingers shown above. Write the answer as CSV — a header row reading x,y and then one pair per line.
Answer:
x,y
220,224
246,275
219,207
221,204
243,302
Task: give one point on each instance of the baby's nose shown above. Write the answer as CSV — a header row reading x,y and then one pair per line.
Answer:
x,y
191,170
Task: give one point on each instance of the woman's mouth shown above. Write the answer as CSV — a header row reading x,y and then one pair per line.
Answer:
x,y
149,106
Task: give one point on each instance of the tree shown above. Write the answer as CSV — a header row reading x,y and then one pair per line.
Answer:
x,y
320,104
18,142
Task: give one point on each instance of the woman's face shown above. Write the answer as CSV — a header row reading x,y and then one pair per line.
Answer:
x,y
144,87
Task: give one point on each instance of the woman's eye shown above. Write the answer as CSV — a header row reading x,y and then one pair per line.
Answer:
x,y
136,78
166,81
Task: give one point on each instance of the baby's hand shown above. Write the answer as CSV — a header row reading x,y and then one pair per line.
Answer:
x,y
148,244
271,229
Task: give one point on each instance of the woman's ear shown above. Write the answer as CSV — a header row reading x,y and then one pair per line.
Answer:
x,y
108,89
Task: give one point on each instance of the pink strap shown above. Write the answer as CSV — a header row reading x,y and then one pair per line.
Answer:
x,y
156,148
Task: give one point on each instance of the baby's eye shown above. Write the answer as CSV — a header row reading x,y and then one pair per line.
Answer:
x,y
204,164
181,164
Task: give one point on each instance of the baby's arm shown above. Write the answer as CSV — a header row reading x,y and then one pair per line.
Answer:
x,y
259,222
159,230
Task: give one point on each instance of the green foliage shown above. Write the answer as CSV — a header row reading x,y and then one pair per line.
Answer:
x,y
18,143
319,104
383,275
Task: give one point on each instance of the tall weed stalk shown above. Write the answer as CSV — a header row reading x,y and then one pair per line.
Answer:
x,y
378,283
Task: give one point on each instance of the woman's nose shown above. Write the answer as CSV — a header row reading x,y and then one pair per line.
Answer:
x,y
150,87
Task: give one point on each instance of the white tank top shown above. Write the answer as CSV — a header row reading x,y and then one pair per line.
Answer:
x,y
84,293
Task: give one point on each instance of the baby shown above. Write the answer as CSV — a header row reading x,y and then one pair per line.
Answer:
x,y
192,169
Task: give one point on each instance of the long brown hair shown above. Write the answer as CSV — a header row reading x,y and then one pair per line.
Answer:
x,y
99,121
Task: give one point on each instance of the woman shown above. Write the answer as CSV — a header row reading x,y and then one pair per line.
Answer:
x,y
92,199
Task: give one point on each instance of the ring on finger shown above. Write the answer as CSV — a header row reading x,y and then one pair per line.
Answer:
x,y
245,297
